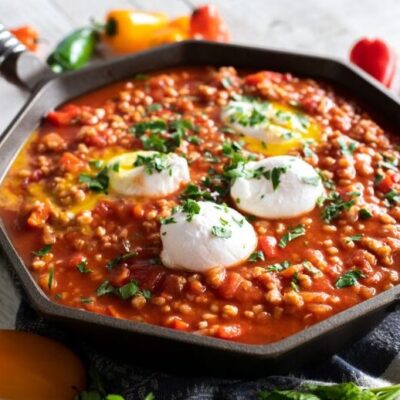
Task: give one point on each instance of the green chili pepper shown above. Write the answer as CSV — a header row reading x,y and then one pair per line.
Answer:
x,y
74,51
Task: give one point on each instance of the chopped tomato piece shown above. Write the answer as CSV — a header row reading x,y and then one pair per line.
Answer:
x,y
119,276
76,259
268,245
39,215
207,24
64,116
70,163
229,331
179,325
259,77
230,285
96,141
289,272
387,183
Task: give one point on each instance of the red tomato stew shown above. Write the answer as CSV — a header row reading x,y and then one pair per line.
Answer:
x,y
239,206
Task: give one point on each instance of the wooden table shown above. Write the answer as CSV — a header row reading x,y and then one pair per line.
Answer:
x,y
326,27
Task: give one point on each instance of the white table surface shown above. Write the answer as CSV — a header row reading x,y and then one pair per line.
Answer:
x,y
327,27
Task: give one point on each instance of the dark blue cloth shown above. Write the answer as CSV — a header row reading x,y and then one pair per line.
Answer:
x,y
365,362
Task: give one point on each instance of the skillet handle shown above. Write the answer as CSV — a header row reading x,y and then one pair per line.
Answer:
x,y
18,65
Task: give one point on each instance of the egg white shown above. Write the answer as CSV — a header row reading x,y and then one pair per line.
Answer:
x,y
191,245
128,180
296,194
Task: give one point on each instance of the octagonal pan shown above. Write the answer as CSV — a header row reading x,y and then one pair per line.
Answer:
x,y
159,343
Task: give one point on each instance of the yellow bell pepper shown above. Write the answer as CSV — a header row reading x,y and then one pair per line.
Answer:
x,y
129,30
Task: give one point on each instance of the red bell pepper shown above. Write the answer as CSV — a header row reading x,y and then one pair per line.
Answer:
x,y
64,116
376,58
207,24
268,245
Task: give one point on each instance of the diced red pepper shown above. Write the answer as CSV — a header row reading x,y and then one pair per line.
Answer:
x,y
75,259
70,163
375,57
387,183
96,141
64,116
229,331
230,285
259,77
207,24
268,245
179,325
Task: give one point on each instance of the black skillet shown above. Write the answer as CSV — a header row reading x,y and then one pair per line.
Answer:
x,y
156,344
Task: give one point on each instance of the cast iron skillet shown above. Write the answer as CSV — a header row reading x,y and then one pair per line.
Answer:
x,y
158,344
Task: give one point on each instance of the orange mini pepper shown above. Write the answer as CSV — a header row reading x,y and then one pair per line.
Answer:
x,y
128,31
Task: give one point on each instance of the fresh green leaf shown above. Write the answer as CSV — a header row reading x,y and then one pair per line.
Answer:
x,y
221,232
278,267
129,290
191,208
364,213
194,192
51,278
43,251
292,234
155,163
355,238
96,164
350,278
104,289
167,221
118,259
295,282
98,183
154,107
257,256
311,180
82,267
347,149
336,205
392,197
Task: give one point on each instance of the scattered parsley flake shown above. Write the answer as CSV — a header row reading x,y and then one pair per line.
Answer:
x,y
51,278
350,278
154,163
82,267
221,232
191,208
257,256
278,267
292,234
364,213
118,259
336,205
43,251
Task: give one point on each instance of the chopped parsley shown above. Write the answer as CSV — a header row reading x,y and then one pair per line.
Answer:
x,y
350,278
307,151
336,205
327,182
257,256
96,164
355,238
292,234
311,269
247,111
154,107
121,257
278,267
295,282
274,175
125,292
311,180
226,82
82,267
51,278
392,197
97,183
364,213
43,251
194,192
86,300
167,221
159,136
191,208
221,232
155,163
347,149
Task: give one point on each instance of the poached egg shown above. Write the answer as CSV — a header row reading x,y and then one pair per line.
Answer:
x,y
277,187
203,235
147,174
269,127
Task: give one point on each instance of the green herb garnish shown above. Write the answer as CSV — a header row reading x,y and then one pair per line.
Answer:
x,y
257,256
155,163
43,251
364,213
121,257
292,234
347,149
278,267
98,183
350,278
355,238
167,221
82,267
221,232
51,278
191,208
336,205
